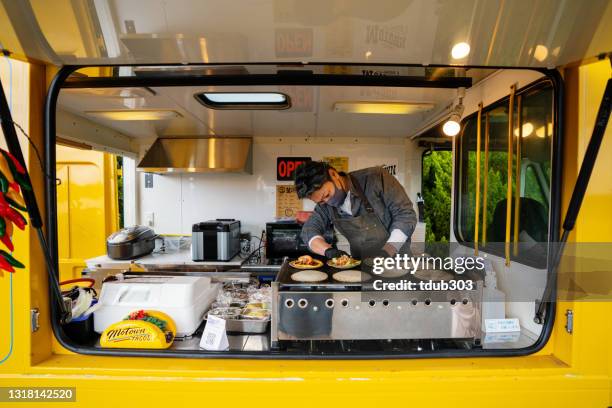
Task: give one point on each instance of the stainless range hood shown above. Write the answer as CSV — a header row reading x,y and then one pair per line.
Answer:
x,y
199,155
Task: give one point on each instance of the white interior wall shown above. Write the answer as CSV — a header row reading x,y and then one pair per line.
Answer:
x,y
177,201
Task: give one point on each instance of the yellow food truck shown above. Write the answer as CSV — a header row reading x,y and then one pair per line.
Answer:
x,y
326,202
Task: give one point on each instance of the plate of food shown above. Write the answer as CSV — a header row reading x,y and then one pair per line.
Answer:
x,y
306,262
343,262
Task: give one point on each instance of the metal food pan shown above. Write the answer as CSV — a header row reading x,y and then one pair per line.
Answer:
x,y
246,325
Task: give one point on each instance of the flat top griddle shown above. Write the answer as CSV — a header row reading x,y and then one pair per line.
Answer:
x,y
330,284
285,282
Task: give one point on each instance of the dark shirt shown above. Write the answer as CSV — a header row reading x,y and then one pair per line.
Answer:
x,y
386,196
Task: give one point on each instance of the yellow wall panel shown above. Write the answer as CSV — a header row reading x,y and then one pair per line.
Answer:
x,y
86,203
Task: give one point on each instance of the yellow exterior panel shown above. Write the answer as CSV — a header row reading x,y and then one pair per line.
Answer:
x,y
572,370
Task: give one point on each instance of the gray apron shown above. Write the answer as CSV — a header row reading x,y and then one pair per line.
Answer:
x,y
365,233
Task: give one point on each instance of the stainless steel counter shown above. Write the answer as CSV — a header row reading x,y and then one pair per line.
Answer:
x,y
162,260
179,261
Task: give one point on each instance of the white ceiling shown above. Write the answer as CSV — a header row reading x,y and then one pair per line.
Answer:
x,y
311,114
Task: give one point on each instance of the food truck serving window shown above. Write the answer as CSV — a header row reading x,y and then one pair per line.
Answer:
x,y
530,176
339,314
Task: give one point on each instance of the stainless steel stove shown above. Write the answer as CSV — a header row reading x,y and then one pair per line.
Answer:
x,y
333,310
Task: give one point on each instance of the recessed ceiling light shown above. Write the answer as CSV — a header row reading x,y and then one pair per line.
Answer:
x,y
382,107
460,50
134,114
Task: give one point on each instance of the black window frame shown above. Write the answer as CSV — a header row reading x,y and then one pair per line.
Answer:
x,y
556,170
60,81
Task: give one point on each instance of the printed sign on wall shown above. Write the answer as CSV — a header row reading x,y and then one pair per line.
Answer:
x,y
340,163
391,165
287,201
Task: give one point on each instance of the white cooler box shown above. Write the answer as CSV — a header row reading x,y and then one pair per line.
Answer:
x,y
184,298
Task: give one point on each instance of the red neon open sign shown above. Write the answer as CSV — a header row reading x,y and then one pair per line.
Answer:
x,y
285,166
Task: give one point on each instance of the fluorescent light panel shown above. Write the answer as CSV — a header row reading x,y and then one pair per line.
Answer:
x,y
383,107
134,114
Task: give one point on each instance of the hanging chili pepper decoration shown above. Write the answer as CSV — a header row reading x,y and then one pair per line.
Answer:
x,y
12,181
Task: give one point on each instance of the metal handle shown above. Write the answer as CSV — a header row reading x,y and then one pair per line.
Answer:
x,y
517,195
509,179
477,209
486,181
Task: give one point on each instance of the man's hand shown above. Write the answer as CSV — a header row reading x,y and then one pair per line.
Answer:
x,y
334,253
387,251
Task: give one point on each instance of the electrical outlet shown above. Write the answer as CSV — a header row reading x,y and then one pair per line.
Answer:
x,y
149,219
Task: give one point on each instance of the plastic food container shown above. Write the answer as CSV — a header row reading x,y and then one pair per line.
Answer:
x,y
186,299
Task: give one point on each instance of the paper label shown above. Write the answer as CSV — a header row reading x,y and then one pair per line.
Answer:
x,y
502,325
287,201
511,337
214,337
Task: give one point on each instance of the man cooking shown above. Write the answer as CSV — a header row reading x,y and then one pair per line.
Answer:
x,y
368,206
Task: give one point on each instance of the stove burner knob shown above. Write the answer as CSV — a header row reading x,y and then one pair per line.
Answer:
x,y
344,302
302,303
372,303
329,303
385,302
289,303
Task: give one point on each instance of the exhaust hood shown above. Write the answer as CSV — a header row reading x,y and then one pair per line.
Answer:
x,y
199,155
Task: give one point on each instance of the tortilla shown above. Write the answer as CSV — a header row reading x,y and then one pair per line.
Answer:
x,y
351,276
393,273
309,276
295,265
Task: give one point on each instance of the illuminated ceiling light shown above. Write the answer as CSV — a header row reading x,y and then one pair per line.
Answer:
x,y
134,114
460,50
527,129
382,107
452,126
540,53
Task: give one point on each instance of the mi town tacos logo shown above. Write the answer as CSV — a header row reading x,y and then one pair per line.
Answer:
x,y
128,333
